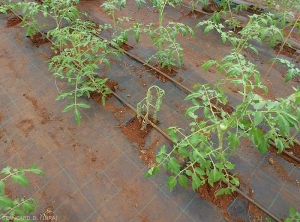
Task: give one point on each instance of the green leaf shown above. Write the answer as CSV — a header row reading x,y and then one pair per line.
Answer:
x,y
68,107
279,144
83,105
196,182
2,186
77,116
259,105
223,191
283,124
28,207
208,28
214,176
174,165
289,75
208,64
5,203
173,135
183,180
6,170
20,178
233,140
34,169
258,118
171,182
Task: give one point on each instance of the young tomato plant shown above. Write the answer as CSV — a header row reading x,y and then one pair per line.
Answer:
x,y
81,54
210,142
143,107
19,207
163,36
110,6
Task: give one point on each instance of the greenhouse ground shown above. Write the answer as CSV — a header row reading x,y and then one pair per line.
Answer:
x,y
92,172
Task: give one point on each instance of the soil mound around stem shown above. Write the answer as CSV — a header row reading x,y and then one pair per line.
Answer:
x,y
208,193
286,50
133,131
148,156
111,84
294,150
126,47
38,39
14,21
165,70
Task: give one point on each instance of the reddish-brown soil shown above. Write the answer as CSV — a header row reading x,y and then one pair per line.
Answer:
x,y
25,125
126,47
38,39
255,212
132,130
40,109
148,155
286,50
237,29
294,150
227,108
111,84
14,21
180,79
254,9
165,70
195,14
48,215
281,172
208,192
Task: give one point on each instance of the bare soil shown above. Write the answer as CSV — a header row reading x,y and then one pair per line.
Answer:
x,y
286,50
133,131
281,172
38,39
126,47
294,150
165,70
111,84
14,21
208,192
148,155
254,9
195,14
227,108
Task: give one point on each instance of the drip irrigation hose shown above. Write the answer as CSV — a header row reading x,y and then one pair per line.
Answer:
x,y
258,205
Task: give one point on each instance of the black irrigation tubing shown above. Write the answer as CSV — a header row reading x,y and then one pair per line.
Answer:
x,y
169,138
182,86
257,204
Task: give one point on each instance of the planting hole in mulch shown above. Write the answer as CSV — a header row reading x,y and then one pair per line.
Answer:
x,y
126,47
14,21
38,39
294,150
133,131
165,70
236,30
111,84
195,14
148,155
254,9
286,50
227,108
